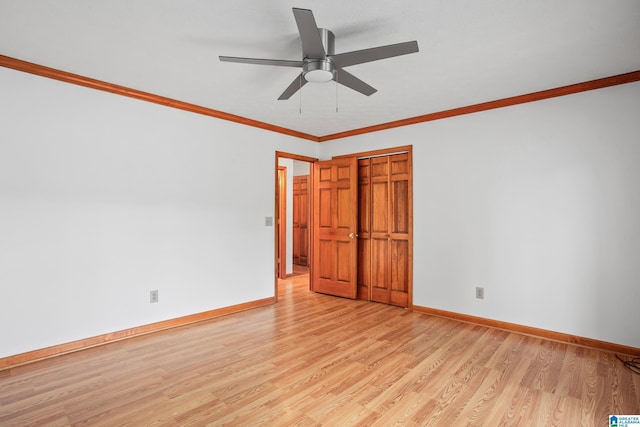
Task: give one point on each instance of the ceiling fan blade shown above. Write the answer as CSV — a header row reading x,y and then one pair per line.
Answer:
x,y
349,80
374,54
257,61
295,85
309,34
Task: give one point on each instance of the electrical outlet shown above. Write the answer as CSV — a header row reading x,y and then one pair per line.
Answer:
x,y
153,296
479,292
268,221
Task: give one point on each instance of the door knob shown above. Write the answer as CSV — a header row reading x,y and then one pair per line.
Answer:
x,y
351,235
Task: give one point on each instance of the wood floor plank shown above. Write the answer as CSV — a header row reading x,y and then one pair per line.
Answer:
x,y
313,360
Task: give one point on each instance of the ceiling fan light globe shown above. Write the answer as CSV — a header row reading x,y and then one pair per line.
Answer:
x,y
318,76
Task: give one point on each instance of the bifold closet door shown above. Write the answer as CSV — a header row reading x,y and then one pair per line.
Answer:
x,y
384,229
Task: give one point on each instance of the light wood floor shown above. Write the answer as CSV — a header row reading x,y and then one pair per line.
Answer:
x,y
312,359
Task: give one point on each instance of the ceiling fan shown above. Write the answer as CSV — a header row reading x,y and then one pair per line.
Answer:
x,y
319,61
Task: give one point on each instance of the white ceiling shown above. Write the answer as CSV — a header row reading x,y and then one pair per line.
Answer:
x,y
470,51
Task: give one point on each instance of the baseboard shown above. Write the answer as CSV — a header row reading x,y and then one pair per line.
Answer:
x,y
536,332
57,350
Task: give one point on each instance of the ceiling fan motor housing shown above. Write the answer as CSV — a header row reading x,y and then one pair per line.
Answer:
x,y
318,71
321,70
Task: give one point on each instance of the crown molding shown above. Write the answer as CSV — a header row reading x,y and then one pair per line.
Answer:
x,y
619,79
76,79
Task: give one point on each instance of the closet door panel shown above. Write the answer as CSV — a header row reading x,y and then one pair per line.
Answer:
x,y
364,230
384,228
399,272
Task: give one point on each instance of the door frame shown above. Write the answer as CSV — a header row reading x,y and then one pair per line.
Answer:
x,y
311,160
372,153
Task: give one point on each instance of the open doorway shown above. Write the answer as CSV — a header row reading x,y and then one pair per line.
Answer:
x,y
292,215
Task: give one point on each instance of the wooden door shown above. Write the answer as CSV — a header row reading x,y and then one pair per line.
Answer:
x,y
384,229
300,220
335,190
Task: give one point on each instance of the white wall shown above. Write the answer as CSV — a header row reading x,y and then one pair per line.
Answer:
x,y
104,198
537,203
300,168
